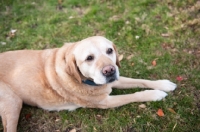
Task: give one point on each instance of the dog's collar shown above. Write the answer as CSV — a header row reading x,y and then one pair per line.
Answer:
x,y
90,82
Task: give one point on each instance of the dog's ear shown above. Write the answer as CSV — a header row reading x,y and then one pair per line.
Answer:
x,y
71,67
117,59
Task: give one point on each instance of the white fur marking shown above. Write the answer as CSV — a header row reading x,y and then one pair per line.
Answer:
x,y
165,85
68,106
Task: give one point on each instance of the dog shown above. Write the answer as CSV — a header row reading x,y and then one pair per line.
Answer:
x,y
79,74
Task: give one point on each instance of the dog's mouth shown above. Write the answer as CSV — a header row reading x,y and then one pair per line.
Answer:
x,y
111,79
91,82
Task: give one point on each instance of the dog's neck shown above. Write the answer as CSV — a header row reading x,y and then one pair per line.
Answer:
x,y
90,82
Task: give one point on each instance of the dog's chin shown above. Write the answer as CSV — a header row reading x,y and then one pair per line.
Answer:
x,y
110,79
105,80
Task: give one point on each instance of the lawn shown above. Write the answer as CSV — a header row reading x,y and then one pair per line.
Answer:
x,y
164,31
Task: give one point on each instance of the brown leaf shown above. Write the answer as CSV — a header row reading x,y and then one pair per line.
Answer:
x,y
166,46
171,110
57,119
59,1
165,34
142,106
121,57
28,116
99,117
153,63
129,57
73,130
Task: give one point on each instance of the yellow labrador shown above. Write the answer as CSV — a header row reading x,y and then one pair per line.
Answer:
x,y
80,74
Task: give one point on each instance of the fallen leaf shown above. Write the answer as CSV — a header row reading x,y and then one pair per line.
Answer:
x,y
138,116
121,57
165,34
73,130
12,33
137,37
179,78
115,18
171,110
160,112
70,17
166,46
153,63
59,1
27,116
127,22
94,128
99,117
142,106
57,119
129,57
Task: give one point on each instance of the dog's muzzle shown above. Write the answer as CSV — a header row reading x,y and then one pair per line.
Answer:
x,y
110,73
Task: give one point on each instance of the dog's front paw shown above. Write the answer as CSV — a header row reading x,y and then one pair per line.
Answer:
x,y
165,85
154,95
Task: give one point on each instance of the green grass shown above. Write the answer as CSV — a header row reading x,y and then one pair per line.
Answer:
x,y
40,25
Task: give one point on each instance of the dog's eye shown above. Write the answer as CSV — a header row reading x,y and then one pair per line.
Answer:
x,y
109,51
90,58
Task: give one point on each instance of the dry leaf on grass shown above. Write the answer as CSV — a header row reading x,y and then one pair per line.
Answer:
x,y
73,130
137,37
153,63
121,57
59,1
179,78
12,33
142,106
165,34
28,116
160,112
171,110
129,57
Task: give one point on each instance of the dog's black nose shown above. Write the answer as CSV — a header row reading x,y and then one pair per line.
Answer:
x,y
108,70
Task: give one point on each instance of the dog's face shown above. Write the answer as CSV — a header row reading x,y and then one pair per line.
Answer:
x,y
96,58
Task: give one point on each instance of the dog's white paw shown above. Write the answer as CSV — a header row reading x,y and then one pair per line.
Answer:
x,y
165,85
153,95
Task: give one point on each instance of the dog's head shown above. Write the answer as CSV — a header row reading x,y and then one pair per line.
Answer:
x,y
94,58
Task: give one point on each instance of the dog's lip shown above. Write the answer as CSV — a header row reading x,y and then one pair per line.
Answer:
x,y
111,79
108,80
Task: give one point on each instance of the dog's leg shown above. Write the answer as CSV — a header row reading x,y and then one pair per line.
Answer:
x,y
124,82
119,100
10,107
